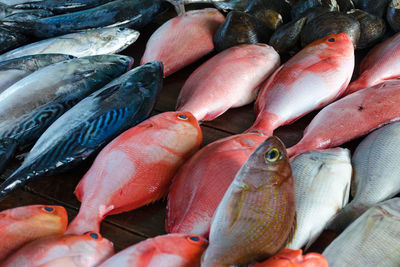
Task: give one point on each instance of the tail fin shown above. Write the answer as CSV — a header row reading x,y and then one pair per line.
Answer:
x,y
7,151
264,124
20,177
87,220
346,217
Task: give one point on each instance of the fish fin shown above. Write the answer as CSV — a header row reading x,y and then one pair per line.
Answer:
x,y
235,203
19,178
104,94
292,230
311,240
7,151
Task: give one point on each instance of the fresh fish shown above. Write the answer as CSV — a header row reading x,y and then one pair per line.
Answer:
x,y
314,77
256,216
80,44
272,13
379,65
14,70
15,2
8,13
58,6
375,173
393,15
345,5
190,36
322,182
25,224
173,250
286,36
195,193
375,7
371,240
206,97
11,39
300,7
31,105
294,258
350,117
121,179
90,124
87,250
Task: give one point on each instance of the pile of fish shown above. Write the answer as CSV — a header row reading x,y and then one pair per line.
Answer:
x,y
67,97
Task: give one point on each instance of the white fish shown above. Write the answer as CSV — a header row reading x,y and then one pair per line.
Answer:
x,y
322,183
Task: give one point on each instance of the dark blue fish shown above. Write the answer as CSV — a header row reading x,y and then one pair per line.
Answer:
x,y
11,39
7,12
91,124
60,6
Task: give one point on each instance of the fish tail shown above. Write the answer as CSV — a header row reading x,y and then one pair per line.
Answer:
x,y
7,151
262,125
346,216
16,180
354,87
87,220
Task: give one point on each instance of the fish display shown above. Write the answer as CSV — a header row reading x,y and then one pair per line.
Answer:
x,y
173,250
165,141
10,39
58,6
195,193
10,13
313,78
90,124
25,224
242,68
300,7
322,182
80,44
87,250
350,117
373,180
294,258
256,216
287,36
371,240
190,36
392,15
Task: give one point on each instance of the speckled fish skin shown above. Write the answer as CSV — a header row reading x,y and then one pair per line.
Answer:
x,y
90,124
8,12
14,70
121,179
371,240
195,193
313,78
190,36
322,182
376,172
350,117
381,63
256,216
21,225
80,44
228,80
61,6
87,250
173,250
294,258
10,39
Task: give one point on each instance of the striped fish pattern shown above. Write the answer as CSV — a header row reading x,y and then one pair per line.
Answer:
x,y
256,216
91,124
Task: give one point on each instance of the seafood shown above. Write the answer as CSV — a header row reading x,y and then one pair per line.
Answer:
x,y
371,240
345,5
294,258
87,250
195,193
300,7
15,2
8,13
173,250
80,44
272,13
350,117
165,141
322,182
190,36
393,16
58,6
11,39
256,216
286,36
242,68
314,77
375,7
90,124
25,224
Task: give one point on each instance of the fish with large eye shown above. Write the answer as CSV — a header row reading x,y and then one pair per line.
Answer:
x,y
272,155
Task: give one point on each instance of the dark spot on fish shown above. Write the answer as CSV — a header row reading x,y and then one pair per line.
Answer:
x,y
150,126
94,235
49,209
194,238
331,40
360,108
182,117
254,131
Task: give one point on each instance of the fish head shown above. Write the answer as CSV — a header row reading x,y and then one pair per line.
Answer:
x,y
119,63
115,36
94,242
339,43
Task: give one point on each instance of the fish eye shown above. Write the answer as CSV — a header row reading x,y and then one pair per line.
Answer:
x,y
272,155
254,131
182,117
195,239
48,209
94,235
331,40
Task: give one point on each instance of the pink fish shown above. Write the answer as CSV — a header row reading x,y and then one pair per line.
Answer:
x,y
382,63
183,39
25,224
173,250
136,168
294,258
202,181
350,117
313,78
63,251
228,80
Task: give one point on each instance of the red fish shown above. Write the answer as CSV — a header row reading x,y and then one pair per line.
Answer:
x,y
136,168
67,251
350,117
25,224
313,78
382,63
294,258
183,39
229,79
202,181
173,250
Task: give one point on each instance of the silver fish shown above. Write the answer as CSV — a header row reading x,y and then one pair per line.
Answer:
x,y
376,164
371,240
86,43
15,2
322,183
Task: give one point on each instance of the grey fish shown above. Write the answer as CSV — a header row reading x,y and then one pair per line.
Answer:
x,y
61,6
80,44
15,2
28,15
11,39
14,70
322,182
7,12
372,240
376,164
